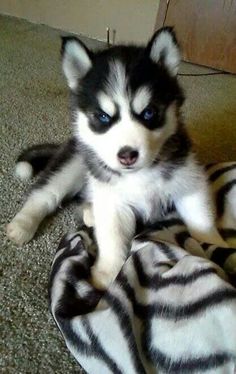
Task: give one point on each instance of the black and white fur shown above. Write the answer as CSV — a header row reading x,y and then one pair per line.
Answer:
x,y
138,162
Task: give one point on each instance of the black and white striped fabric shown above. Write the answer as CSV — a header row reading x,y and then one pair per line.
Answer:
x,y
171,309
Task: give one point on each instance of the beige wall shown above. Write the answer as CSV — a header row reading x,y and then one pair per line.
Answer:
x,y
133,20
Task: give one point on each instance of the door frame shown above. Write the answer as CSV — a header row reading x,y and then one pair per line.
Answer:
x,y
161,14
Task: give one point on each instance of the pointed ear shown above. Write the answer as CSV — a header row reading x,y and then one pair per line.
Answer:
x,y
76,60
163,49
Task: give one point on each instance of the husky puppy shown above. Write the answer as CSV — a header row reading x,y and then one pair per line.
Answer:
x,y
130,153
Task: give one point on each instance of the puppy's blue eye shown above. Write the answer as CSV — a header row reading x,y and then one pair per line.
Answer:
x,y
148,114
104,118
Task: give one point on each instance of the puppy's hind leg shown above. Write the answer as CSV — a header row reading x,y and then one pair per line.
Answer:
x,y
64,181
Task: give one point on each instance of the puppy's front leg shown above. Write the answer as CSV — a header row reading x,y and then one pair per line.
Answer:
x,y
114,228
197,212
88,215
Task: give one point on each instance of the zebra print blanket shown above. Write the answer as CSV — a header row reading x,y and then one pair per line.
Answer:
x,y
171,309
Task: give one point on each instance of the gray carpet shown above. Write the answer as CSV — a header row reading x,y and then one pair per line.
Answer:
x,y
33,109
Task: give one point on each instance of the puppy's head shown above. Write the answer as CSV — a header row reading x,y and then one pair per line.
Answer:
x,y
126,98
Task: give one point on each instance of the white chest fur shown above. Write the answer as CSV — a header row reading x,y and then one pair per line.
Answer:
x,y
145,191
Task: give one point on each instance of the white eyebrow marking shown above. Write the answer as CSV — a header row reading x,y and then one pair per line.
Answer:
x,y
142,98
116,86
106,104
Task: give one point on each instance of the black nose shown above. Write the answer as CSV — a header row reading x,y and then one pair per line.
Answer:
x,y
127,156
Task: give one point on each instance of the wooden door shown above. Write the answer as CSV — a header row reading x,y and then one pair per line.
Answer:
x,y
206,30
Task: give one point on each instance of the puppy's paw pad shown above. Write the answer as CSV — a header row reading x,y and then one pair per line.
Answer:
x,y
19,231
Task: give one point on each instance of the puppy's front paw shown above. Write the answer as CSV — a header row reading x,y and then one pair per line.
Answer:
x,y
212,237
20,230
231,242
103,275
88,216
230,264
